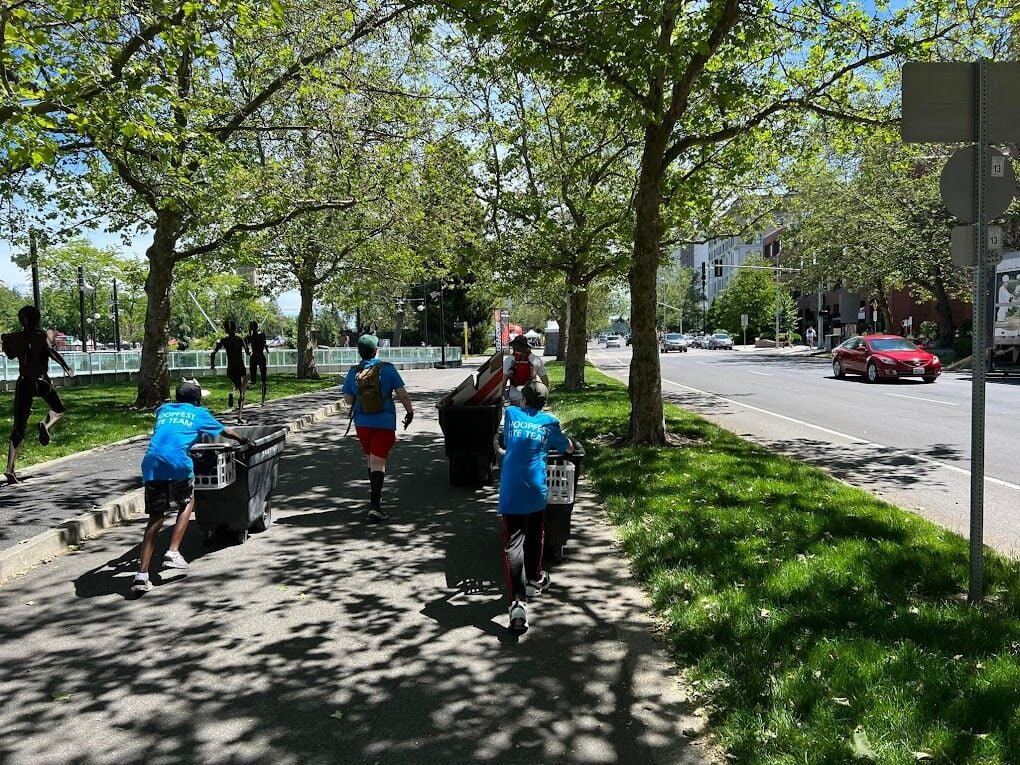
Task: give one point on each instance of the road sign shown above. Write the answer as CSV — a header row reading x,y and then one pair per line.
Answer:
x,y
938,102
743,321
957,184
962,240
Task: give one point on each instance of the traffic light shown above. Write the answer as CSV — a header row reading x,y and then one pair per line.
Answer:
x,y
704,271
718,268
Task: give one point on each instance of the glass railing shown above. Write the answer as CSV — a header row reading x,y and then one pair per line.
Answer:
x,y
281,358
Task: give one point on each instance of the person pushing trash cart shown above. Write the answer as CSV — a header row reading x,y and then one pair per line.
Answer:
x,y
528,435
168,474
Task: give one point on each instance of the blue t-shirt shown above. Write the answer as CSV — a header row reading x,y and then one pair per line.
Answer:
x,y
178,427
389,381
528,436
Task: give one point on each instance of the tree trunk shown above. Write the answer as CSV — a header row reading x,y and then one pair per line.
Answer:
x,y
577,344
305,352
563,319
154,368
647,423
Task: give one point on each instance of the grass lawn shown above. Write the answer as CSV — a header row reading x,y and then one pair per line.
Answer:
x,y
102,414
805,611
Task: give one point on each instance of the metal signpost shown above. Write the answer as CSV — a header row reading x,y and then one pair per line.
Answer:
x,y
949,103
743,326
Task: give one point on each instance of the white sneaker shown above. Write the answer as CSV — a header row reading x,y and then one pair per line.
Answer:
x,y
173,559
536,587
141,585
518,616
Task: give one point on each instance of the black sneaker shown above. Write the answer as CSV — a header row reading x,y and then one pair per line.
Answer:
x,y
44,434
537,587
376,514
518,616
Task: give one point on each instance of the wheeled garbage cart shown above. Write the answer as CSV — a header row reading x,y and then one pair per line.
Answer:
x,y
562,473
468,433
234,482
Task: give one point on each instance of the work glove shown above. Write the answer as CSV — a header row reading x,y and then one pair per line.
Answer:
x,y
408,418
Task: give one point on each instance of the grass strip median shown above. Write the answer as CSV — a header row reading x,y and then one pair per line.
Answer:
x,y
102,414
818,623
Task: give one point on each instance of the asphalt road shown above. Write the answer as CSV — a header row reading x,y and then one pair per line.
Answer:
x,y
907,441
328,639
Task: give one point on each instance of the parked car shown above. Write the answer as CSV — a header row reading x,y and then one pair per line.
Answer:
x,y
884,357
699,341
614,341
602,337
674,341
630,338
720,341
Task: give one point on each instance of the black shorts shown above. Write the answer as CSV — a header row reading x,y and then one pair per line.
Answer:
x,y
164,497
236,375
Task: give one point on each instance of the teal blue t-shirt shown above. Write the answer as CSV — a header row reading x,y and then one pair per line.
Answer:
x,y
528,436
389,381
178,428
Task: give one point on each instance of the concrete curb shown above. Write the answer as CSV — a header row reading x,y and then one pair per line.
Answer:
x,y
49,544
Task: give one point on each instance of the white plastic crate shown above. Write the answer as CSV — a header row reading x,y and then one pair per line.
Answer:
x,y
214,466
560,480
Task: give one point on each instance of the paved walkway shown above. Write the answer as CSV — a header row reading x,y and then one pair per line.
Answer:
x,y
330,640
57,491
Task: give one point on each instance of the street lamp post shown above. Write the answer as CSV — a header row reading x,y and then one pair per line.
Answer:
x,y
95,322
425,303
776,249
116,319
81,307
33,250
442,325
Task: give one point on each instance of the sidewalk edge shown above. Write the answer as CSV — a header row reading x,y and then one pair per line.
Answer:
x,y
49,544
38,467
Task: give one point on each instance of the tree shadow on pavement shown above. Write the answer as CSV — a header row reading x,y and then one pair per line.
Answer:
x,y
328,639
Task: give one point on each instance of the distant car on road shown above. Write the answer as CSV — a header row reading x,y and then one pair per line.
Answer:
x,y
699,341
630,338
720,341
884,357
674,341
614,341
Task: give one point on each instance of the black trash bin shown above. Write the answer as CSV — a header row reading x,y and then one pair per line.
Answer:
x,y
234,482
467,435
558,514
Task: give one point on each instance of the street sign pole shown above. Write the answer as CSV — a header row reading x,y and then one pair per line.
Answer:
x,y
978,361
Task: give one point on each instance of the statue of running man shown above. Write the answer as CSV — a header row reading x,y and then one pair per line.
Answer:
x,y
257,361
235,348
33,350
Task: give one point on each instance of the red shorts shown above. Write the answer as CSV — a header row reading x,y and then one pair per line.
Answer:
x,y
377,441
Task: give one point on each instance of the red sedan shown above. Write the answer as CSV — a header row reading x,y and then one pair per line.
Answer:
x,y
884,357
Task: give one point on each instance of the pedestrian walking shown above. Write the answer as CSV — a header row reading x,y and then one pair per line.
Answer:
x,y
168,474
257,360
33,350
810,335
235,348
520,367
368,390
528,435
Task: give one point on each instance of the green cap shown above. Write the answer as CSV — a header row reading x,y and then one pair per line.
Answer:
x,y
368,342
